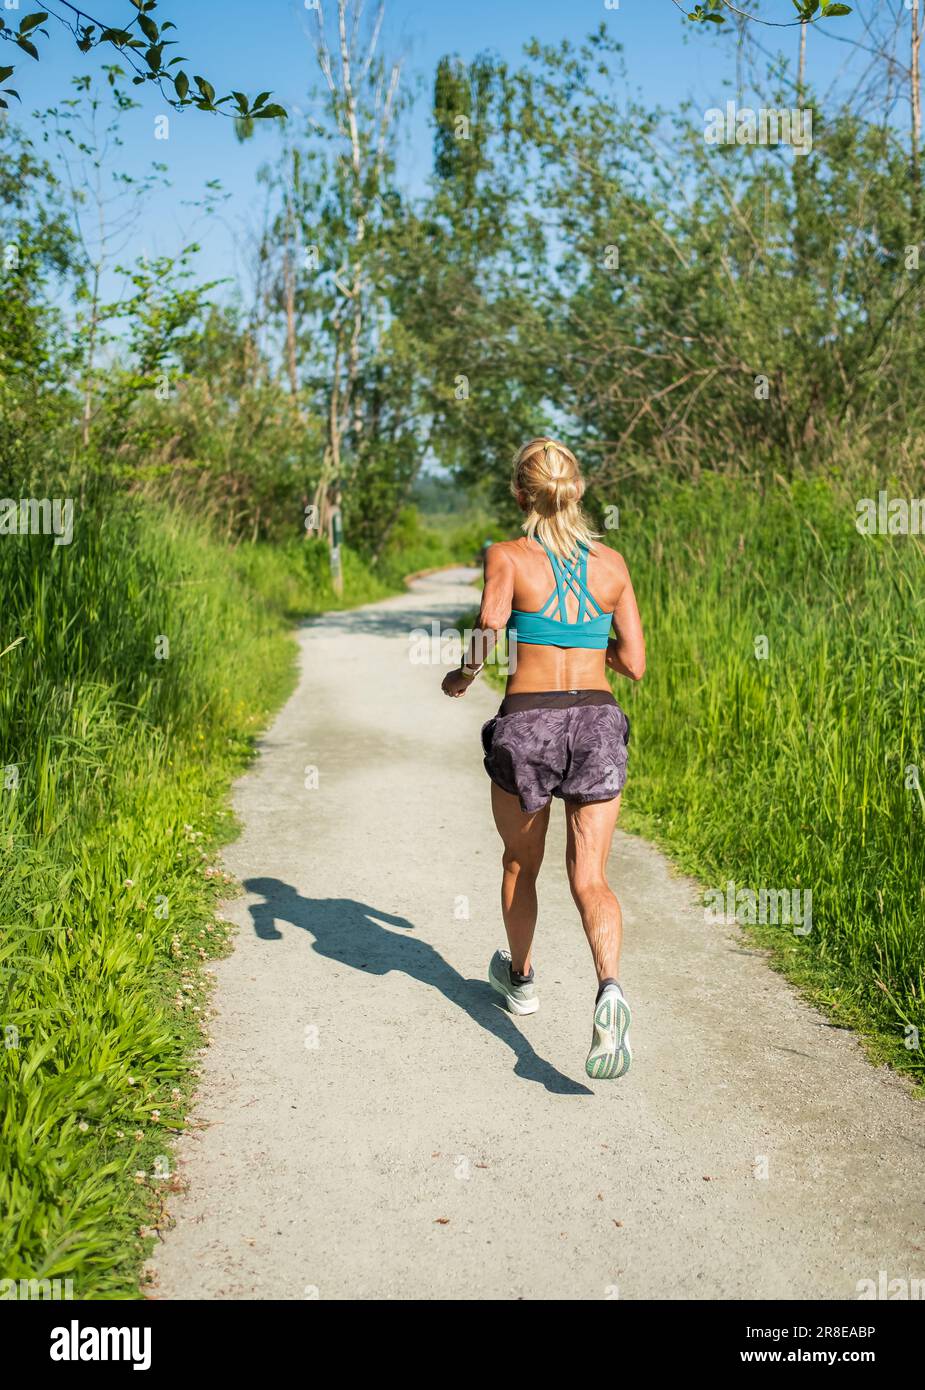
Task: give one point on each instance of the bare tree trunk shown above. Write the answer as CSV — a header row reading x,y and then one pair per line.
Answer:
x,y
320,499
289,279
329,479
334,408
289,291
741,39
916,96
334,542
801,78
359,224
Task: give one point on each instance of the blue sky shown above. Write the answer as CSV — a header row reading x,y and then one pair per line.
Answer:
x,y
258,44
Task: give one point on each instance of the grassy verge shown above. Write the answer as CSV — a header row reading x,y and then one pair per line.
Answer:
x,y
151,656
778,739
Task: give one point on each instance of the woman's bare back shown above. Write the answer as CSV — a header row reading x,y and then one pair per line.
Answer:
x,y
559,668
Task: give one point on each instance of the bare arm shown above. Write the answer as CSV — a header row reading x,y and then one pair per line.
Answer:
x,y
626,652
497,600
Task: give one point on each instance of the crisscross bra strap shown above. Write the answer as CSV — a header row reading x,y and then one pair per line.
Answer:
x,y
571,574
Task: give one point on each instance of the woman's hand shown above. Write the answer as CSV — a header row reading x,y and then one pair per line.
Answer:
x,y
613,659
455,683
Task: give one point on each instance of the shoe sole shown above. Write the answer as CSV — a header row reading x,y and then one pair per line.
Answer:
x,y
514,1005
610,1054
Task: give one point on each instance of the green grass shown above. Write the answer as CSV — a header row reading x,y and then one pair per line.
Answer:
x,y
787,772
118,752
790,772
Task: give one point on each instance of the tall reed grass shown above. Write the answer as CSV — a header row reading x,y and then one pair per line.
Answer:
x,y
137,665
805,769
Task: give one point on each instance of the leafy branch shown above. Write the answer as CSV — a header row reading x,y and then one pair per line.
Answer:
x,y
142,44
808,12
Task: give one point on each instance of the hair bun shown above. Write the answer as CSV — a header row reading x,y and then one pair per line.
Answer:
x,y
557,491
548,486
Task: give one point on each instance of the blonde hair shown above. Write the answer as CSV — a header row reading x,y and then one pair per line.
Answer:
x,y
546,474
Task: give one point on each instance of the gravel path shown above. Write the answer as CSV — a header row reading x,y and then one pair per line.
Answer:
x,y
372,1125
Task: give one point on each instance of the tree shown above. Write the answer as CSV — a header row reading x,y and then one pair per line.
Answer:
x,y
104,205
754,314
474,275
362,90
335,194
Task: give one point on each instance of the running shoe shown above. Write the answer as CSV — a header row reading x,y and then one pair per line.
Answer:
x,y
520,999
610,1054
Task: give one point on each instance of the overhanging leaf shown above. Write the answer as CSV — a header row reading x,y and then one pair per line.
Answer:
x,y
31,21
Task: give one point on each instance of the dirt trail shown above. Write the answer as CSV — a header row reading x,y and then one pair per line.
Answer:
x,y
374,1126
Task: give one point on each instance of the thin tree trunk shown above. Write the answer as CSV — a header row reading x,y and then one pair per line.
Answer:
x,y
801,79
334,409
916,97
359,229
741,38
337,577
291,366
331,463
319,501
91,355
289,292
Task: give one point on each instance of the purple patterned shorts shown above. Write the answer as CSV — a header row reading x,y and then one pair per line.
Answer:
x,y
567,743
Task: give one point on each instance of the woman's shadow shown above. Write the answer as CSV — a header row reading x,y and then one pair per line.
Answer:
x,y
352,933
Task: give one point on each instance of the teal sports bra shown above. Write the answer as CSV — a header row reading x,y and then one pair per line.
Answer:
x,y
541,629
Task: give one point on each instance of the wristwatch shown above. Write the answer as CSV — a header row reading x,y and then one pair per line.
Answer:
x,y
468,673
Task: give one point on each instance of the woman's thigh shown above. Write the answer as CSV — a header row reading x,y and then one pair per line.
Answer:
x,y
589,835
523,832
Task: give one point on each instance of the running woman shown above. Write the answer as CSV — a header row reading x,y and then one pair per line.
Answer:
x,y
570,613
